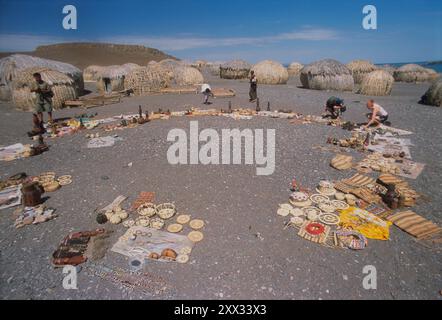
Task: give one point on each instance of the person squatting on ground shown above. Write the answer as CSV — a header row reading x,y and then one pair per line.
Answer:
x,y
377,116
334,108
253,87
206,90
44,97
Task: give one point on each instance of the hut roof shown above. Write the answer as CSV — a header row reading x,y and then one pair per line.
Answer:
x,y
237,64
184,75
114,72
361,66
411,68
52,77
9,66
414,73
295,68
327,67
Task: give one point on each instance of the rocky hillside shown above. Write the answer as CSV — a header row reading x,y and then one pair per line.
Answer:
x,y
82,55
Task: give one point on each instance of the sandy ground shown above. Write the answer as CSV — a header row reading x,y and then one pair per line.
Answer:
x,y
246,253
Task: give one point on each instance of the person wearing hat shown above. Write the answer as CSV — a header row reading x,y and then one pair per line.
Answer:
x,y
377,116
334,107
44,97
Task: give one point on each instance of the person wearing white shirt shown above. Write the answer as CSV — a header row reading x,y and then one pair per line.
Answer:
x,y
206,90
377,116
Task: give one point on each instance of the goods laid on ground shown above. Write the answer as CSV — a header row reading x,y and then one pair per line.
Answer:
x,y
73,250
415,225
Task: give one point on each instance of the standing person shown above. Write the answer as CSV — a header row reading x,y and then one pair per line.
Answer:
x,y
253,87
377,116
206,90
44,97
335,107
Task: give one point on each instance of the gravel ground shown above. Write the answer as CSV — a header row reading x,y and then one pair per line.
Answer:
x,y
246,254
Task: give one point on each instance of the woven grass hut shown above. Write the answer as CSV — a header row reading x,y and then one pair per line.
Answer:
x,y
270,72
170,63
112,79
92,73
213,67
199,64
181,74
327,75
377,83
130,66
62,86
186,76
146,80
10,66
414,73
236,69
360,68
294,69
433,97
388,68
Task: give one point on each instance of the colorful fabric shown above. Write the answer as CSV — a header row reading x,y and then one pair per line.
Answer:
x,y
365,223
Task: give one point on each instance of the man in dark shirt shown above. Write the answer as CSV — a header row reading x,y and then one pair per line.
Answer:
x,y
335,107
253,87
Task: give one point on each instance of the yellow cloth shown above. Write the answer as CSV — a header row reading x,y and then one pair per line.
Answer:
x,y
365,223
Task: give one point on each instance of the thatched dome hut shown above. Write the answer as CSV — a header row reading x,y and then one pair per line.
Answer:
x,y
414,73
433,97
236,69
112,78
170,63
388,68
377,83
92,73
10,66
213,67
62,86
327,75
199,64
130,66
432,74
270,72
186,76
360,68
294,69
146,80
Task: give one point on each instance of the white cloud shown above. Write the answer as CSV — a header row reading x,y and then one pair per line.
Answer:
x,y
185,43
10,42
23,42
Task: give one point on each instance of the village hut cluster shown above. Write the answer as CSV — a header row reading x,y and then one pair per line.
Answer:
x,y
67,81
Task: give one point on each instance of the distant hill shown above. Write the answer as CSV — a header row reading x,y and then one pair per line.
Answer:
x,y
82,55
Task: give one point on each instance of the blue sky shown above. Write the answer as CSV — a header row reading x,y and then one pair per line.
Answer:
x,y
283,30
